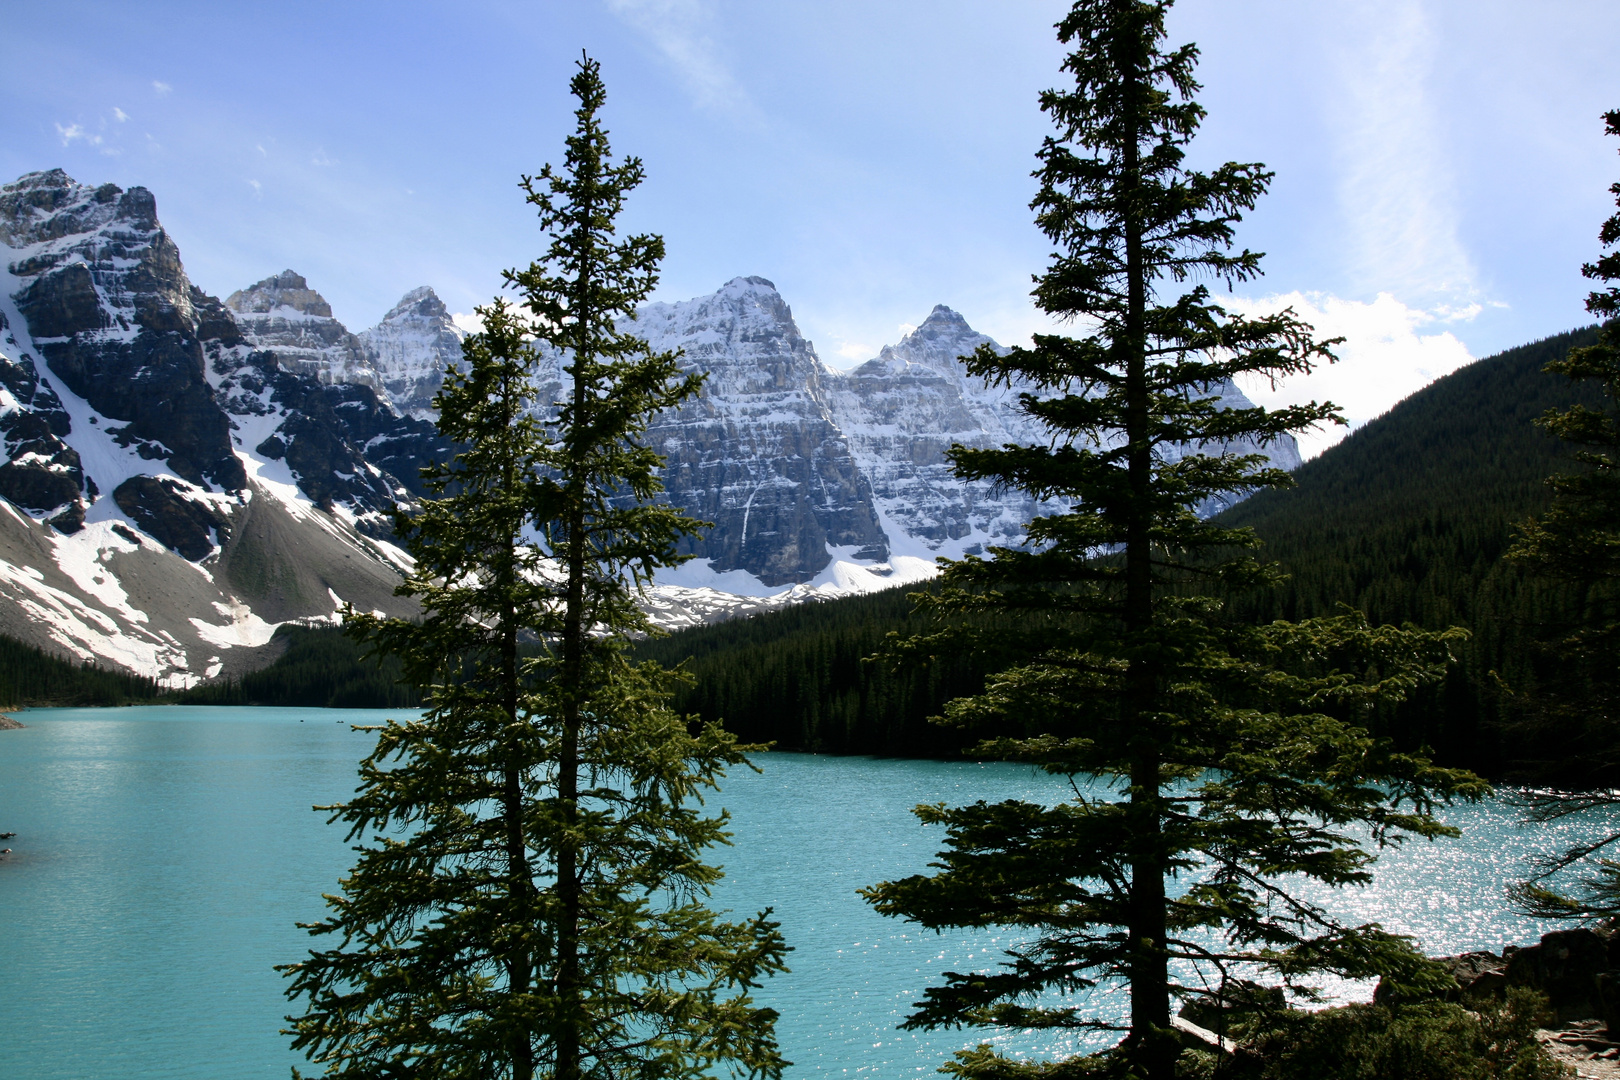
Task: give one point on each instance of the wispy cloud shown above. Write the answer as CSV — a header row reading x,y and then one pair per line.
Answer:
x,y
161,87
1390,352
855,351
680,30
258,188
321,159
119,114
1397,191
75,133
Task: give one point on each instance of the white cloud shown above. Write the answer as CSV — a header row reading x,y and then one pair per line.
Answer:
x,y
906,328
678,28
258,188
468,322
855,351
75,133
120,114
161,87
1397,191
321,159
1386,356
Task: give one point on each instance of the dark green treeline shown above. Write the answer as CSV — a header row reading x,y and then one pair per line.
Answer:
x,y
30,676
799,678
321,668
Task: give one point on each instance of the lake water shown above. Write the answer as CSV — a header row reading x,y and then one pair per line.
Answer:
x,y
164,854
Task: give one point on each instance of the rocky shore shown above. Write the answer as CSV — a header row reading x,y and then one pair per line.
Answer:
x,y
1579,972
8,724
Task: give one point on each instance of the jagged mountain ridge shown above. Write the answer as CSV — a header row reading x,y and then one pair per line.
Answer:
x,y
181,491
244,455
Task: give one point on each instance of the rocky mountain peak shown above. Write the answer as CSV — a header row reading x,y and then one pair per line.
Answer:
x,y
421,302
41,207
411,348
932,349
102,299
287,289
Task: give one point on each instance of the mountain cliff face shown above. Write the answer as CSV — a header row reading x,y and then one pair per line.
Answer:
x,y
180,475
903,410
758,453
411,348
283,317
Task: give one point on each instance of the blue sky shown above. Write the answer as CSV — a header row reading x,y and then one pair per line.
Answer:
x,y
1441,167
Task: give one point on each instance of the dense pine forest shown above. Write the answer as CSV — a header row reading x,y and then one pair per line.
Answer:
x,y
321,667
31,676
800,678
1407,519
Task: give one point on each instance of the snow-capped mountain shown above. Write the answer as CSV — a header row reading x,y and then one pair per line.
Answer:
x,y
758,452
849,469
173,491
903,410
411,348
282,315
180,475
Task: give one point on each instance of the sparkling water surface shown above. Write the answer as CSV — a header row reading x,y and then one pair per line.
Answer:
x,y
163,855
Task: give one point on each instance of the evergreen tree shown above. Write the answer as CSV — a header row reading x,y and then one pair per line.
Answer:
x,y
1575,717
1226,758
531,899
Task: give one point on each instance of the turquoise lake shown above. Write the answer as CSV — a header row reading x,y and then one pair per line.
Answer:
x,y
163,855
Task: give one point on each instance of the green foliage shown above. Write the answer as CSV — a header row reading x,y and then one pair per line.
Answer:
x,y
1408,519
1425,1041
32,676
529,896
1422,1041
321,667
800,678
1230,756
1577,543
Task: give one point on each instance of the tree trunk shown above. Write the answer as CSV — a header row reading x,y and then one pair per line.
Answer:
x,y
569,989
519,963
1149,968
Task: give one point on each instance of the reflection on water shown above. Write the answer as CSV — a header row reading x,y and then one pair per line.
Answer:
x,y
164,854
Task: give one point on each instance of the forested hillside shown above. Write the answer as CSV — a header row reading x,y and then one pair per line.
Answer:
x,y
321,668
1407,519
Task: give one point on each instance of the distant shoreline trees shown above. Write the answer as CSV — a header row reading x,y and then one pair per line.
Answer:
x,y
1222,756
529,895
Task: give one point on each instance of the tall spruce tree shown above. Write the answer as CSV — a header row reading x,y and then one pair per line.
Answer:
x,y
1225,762
529,898
1573,717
